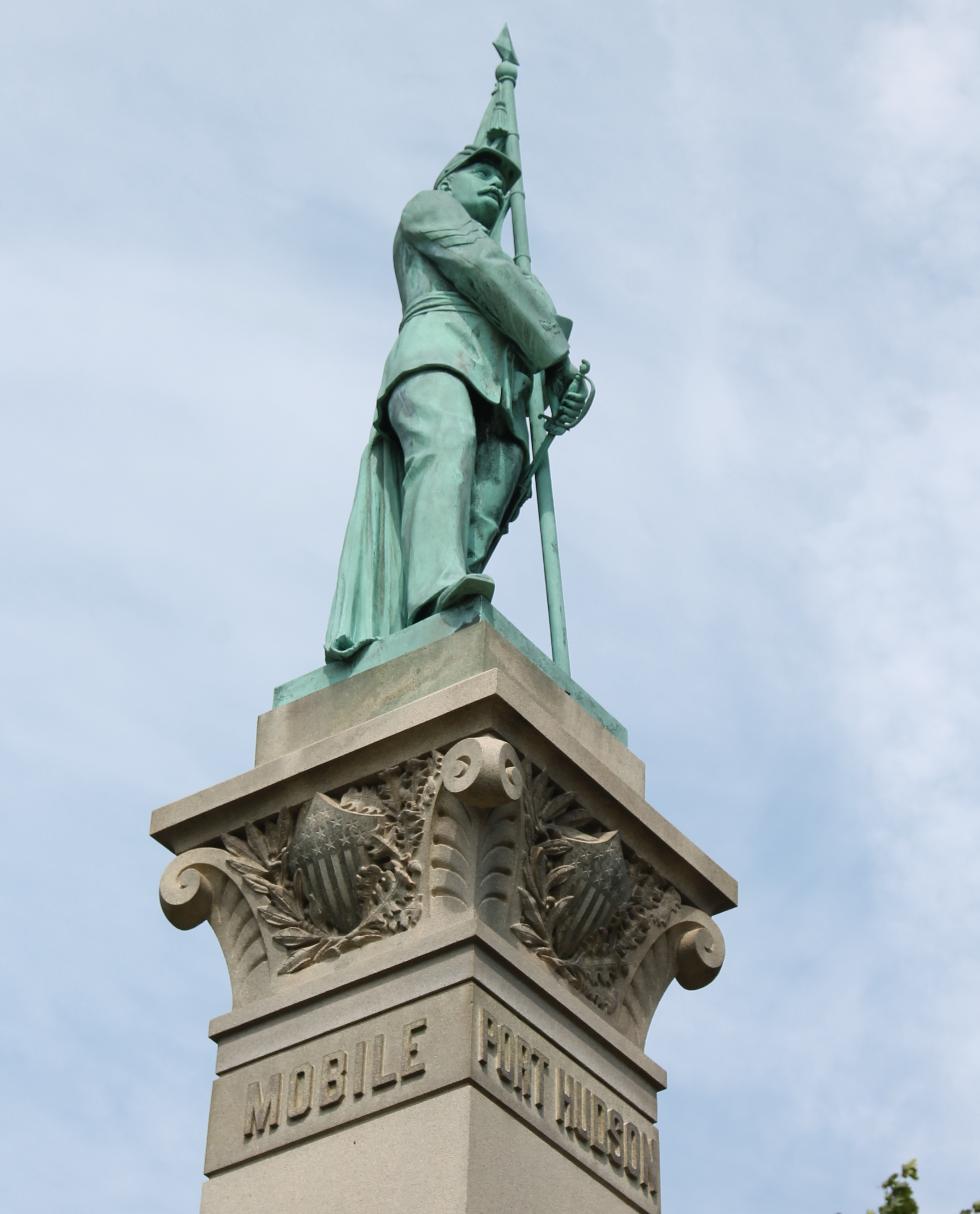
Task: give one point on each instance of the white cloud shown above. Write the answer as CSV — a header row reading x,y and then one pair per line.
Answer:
x,y
920,79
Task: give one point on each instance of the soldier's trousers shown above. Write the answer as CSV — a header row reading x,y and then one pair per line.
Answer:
x,y
461,469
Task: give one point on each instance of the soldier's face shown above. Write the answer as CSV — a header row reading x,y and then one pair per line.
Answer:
x,y
479,188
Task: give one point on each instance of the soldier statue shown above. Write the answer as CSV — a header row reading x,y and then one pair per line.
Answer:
x,y
446,469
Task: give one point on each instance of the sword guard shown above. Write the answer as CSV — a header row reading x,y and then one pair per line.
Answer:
x,y
584,368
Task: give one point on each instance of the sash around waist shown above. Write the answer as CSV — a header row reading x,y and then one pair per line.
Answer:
x,y
438,301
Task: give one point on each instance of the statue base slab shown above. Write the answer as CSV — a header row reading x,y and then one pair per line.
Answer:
x,y
427,632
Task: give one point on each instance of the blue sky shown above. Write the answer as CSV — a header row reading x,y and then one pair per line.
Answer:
x,y
763,218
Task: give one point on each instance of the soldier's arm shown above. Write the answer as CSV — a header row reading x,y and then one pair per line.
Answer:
x,y
438,226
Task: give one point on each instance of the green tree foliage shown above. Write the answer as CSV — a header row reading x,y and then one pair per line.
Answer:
x,y
899,1198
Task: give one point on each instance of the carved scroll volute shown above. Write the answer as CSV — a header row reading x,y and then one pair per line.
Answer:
x,y
199,885
700,949
483,772
691,949
474,831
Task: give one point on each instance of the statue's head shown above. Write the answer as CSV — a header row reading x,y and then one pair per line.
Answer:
x,y
479,179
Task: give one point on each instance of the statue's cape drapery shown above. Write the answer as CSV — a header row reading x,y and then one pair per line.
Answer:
x,y
369,601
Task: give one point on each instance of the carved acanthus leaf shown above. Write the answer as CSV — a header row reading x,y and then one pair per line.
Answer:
x,y
474,830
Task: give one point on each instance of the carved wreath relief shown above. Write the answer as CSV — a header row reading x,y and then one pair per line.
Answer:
x,y
587,901
335,875
478,831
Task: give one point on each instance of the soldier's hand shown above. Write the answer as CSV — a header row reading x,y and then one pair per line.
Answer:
x,y
571,395
571,409
560,378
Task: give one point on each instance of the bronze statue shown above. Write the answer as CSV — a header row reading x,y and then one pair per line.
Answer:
x,y
447,466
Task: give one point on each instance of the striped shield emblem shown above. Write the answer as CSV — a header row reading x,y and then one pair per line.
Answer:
x,y
599,886
329,848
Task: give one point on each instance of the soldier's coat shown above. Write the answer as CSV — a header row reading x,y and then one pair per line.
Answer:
x,y
465,304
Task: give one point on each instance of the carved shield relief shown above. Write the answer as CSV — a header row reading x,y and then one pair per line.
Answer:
x,y
587,903
329,850
598,886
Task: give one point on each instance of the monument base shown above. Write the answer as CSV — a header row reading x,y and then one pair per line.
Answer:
x,y
483,1164
448,917
435,1084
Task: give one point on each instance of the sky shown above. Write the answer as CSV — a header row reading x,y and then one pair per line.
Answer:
x,y
762,217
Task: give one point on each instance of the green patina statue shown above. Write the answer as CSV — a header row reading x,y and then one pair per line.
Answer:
x,y
479,351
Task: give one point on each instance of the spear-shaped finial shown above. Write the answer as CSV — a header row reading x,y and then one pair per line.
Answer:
x,y
505,48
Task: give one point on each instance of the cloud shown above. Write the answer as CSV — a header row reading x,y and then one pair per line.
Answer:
x,y
921,100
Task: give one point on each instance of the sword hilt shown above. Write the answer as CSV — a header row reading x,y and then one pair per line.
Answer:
x,y
582,377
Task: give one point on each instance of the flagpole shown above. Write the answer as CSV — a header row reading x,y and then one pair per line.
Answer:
x,y
507,78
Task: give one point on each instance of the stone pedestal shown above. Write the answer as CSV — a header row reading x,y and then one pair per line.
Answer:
x,y
448,916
